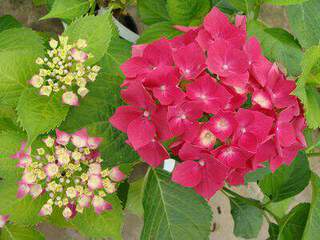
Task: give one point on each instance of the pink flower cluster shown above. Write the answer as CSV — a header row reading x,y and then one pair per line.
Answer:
x,y
219,104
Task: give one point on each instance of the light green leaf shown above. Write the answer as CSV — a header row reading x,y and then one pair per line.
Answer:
x,y
19,48
293,224
135,194
22,211
96,30
247,218
8,118
106,224
313,223
20,232
287,181
100,104
152,11
68,10
278,45
279,208
40,114
184,12
307,86
173,212
250,7
157,31
304,21
224,6
284,2
7,22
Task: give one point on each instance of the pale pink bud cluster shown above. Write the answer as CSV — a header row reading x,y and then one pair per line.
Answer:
x,y
63,69
3,220
67,169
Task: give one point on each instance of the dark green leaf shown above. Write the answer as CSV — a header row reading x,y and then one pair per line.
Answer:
x,y
278,45
7,22
224,6
20,232
284,2
273,231
173,212
135,194
250,7
304,20
257,174
293,224
287,181
157,31
247,218
153,11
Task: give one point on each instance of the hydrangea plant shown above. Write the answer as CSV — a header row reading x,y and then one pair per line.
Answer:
x,y
210,98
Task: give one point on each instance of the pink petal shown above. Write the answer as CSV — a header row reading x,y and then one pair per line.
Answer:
x,y
153,153
189,152
70,98
84,201
187,174
116,175
63,138
134,67
222,125
94,142
95,182
136,95
23,190
137,50
287,134
160,121
35,190
262,99
123,116
3,220
100,205
80,138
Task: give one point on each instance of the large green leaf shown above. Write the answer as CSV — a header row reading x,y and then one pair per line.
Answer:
x,y
186,12
247,218
250,7
307,86
284,2
96,30
293,224
278,45
279,209
99,105
8,118
273,231
287,181
106,224
19,48
157,31
7,22
152,11
20,232
23,211
304,20
224,6
135,194
68,10
313,223
257,174
173,212
40,114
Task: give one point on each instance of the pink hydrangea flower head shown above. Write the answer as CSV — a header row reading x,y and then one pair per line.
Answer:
x,y
3,220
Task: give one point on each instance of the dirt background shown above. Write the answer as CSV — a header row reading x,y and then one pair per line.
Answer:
x,y
26,13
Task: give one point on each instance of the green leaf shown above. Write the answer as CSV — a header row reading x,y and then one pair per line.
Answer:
x,y
306,86
20,232
7,22
284,2
287,181
184,12
313,223
106,224
257,174
19,48
135,194
38,3
157,31
250,7
247,218
100,104
68,10
22,211
96,30
304,21
294,223
40,114
172,211
273,231
8,118
278,45
279,208
224,6
152,11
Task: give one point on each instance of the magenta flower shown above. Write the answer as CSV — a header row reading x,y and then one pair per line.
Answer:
x,y
3,220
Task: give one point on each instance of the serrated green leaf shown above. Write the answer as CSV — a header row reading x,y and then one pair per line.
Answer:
x,y
40,114
38,3
96,30
306,86
247,218
313,223
20,232
7,22
21,211
106,224
19,48
157,31
250,7
173,212
287,181
304,21
224,6
273,231
68,10
152,11
135,194
284,2
184,12
278,45
293,224
99,105
8,118
257,174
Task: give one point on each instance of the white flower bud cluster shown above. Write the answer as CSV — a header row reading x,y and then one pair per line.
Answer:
x,y
64,69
